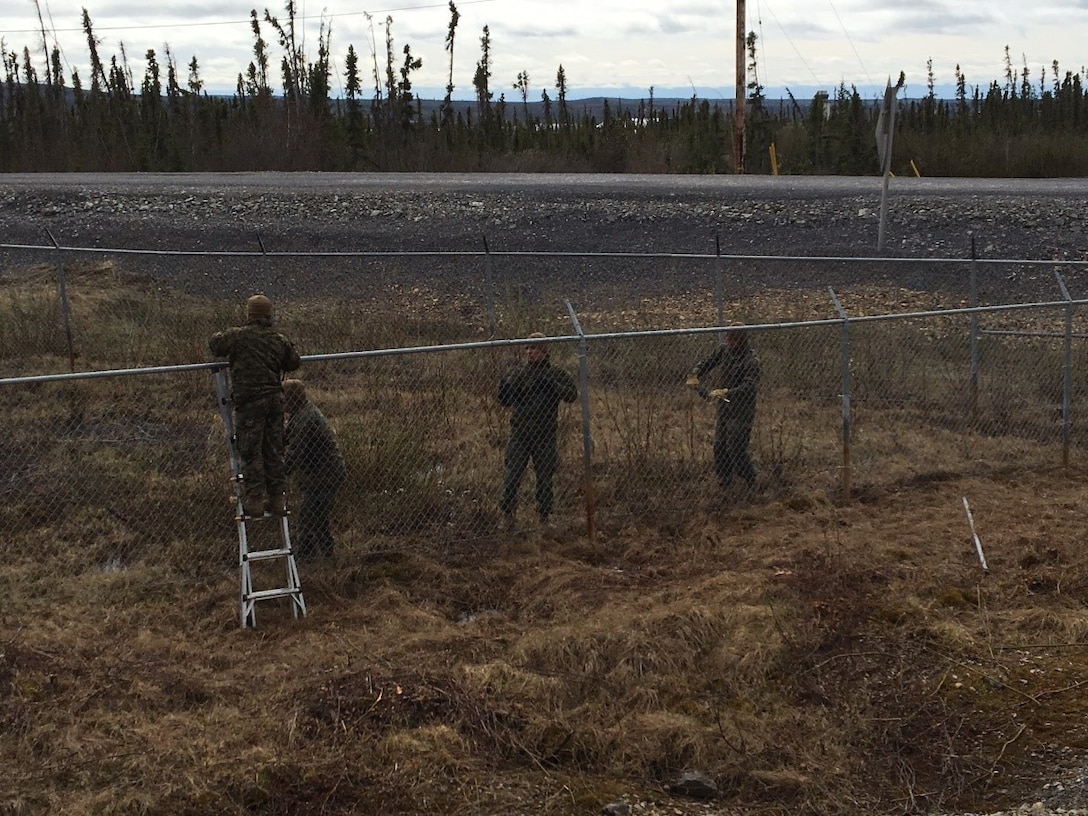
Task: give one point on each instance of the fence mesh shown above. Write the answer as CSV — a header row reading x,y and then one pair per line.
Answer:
x,y
107,472
104,473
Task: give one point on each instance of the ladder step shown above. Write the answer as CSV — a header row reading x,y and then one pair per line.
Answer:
x,y
265,594
265,555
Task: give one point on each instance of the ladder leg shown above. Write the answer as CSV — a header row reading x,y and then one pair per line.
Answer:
x,y
298,604
248,608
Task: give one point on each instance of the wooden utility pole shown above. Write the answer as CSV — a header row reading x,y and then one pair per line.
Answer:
x,y
741,91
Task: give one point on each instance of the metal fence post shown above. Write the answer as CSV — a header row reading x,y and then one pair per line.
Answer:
x,y
490,283
845,364
62,285
587,435
1067,371
265,264
719,292
973,303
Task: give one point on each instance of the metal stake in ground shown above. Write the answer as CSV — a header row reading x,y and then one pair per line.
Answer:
x,y
974,535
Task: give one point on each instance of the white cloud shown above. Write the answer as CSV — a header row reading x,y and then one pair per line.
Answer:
x,y
600,43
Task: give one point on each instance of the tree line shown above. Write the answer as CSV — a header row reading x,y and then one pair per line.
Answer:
x,y
1023,124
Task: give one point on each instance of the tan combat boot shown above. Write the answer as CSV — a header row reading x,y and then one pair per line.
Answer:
x,y
277,504
253,506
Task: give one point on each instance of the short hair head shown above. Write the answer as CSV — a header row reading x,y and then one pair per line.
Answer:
x,y
294,392
541,346
736,339
258,306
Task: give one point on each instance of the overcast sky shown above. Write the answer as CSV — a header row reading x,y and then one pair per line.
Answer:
x,y
620,48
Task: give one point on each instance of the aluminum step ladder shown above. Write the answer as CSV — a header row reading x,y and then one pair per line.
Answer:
x,y
249,597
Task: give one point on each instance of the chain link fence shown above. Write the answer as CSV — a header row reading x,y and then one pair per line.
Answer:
x,y
866,385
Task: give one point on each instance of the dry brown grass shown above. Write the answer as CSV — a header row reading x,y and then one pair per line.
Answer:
x,y
812,655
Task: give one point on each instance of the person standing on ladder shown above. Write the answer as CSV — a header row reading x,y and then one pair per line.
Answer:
x,y
258,357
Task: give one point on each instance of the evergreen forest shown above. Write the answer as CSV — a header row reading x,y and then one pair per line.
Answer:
x,y
1032,122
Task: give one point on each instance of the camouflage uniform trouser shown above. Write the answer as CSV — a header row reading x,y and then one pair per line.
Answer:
x,y
731,458
258,433
314,521
543,449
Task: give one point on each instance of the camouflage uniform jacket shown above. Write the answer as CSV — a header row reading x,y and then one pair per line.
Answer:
x,y
534,391
258,356
740,371
312,454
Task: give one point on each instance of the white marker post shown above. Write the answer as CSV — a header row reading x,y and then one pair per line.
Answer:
x,y
974,535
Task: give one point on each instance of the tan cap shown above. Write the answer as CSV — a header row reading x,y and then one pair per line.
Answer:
x,y
258,306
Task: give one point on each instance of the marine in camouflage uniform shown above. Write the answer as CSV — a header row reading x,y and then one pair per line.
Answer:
x,y
534,390
314,460
258,356
736,396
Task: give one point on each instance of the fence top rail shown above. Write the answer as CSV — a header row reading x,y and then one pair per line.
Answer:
x,y
113,372
484,253
523,341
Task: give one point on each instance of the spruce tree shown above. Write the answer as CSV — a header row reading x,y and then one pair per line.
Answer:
x,y
447,103
482,78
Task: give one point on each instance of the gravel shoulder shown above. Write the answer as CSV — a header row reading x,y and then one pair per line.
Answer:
x,y
927,218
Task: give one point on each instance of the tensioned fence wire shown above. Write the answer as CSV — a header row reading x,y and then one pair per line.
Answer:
x,y
462,294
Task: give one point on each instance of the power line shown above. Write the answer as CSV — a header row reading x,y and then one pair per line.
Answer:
x,y
43,31
210,23
849,40
800,56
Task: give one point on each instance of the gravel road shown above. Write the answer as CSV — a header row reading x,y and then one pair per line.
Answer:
x,y
791,216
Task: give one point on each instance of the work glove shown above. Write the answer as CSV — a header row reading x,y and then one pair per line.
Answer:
x,y
719,394
692,381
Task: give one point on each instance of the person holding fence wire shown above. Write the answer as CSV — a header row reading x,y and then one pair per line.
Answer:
x,y
533,389
736,401
258,357
314,459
